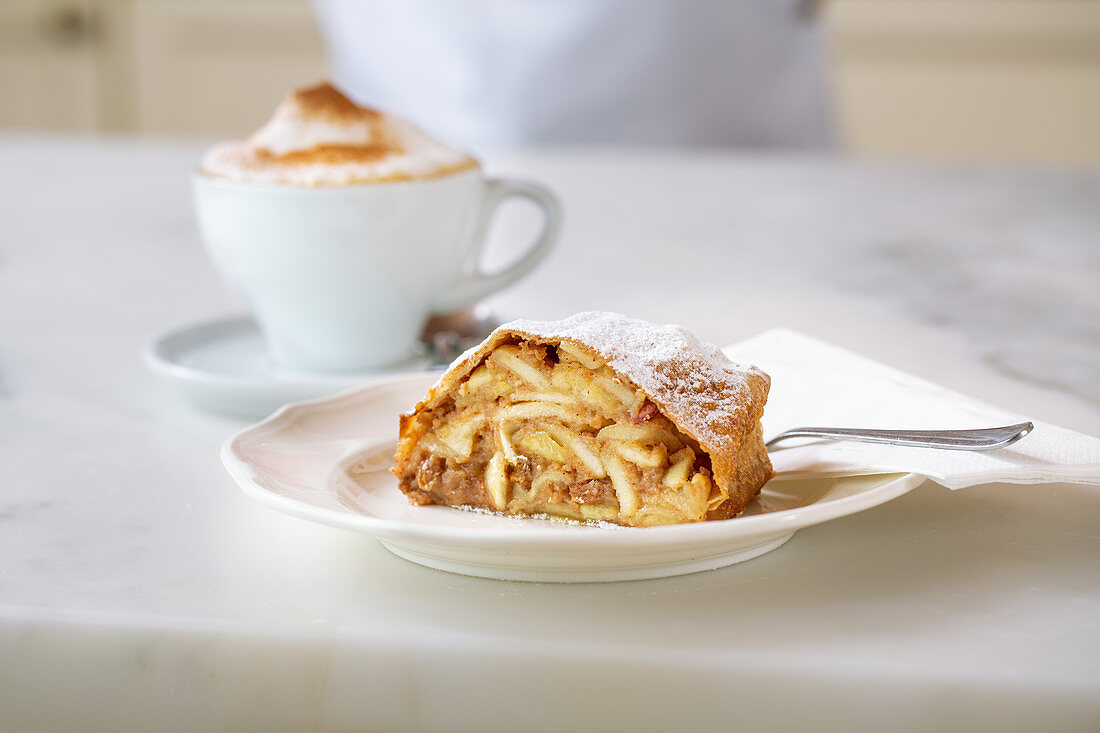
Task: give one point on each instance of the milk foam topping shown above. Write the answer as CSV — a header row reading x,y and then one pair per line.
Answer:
x,y
319,137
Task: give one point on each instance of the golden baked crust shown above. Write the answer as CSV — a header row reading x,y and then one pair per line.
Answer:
x,y
598,416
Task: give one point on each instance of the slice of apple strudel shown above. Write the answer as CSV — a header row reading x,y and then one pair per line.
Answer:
x,y
598,417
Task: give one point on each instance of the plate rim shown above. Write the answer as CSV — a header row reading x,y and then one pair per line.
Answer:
x,y
245,474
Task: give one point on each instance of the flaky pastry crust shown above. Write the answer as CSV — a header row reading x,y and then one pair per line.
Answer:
x,y
713,403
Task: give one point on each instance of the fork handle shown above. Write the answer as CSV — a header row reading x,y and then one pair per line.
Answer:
x,y
980,439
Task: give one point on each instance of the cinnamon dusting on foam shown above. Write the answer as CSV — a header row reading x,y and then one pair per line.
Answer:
x,y
326,101
319,137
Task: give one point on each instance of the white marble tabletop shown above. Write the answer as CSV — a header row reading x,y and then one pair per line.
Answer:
x,y
140,590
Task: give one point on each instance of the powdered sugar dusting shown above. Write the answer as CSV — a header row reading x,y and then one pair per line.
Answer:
x,y
692,381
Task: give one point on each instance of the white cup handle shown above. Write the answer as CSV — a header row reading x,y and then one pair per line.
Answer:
x,y
473,284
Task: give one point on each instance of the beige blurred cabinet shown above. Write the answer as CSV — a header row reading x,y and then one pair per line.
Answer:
x,y
206,67
48,70
992,79
215,67
1006,79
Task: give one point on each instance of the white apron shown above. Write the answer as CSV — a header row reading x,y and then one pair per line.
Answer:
x,y
666,72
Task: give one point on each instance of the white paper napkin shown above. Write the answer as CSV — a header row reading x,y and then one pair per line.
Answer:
x,y
814,383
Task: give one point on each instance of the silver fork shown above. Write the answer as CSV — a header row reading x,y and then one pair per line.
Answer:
x,y
980,439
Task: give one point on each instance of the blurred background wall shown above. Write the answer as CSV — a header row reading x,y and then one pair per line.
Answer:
x,y
967,79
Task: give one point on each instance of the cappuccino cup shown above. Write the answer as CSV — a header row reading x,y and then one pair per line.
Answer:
x,y
341,259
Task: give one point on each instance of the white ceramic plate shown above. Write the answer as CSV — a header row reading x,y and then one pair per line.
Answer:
x,y
327,460
222,366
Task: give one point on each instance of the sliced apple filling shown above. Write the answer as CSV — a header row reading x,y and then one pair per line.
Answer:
x,y
545,429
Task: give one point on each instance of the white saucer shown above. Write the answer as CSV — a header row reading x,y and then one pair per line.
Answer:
x,y
327,461
223,366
